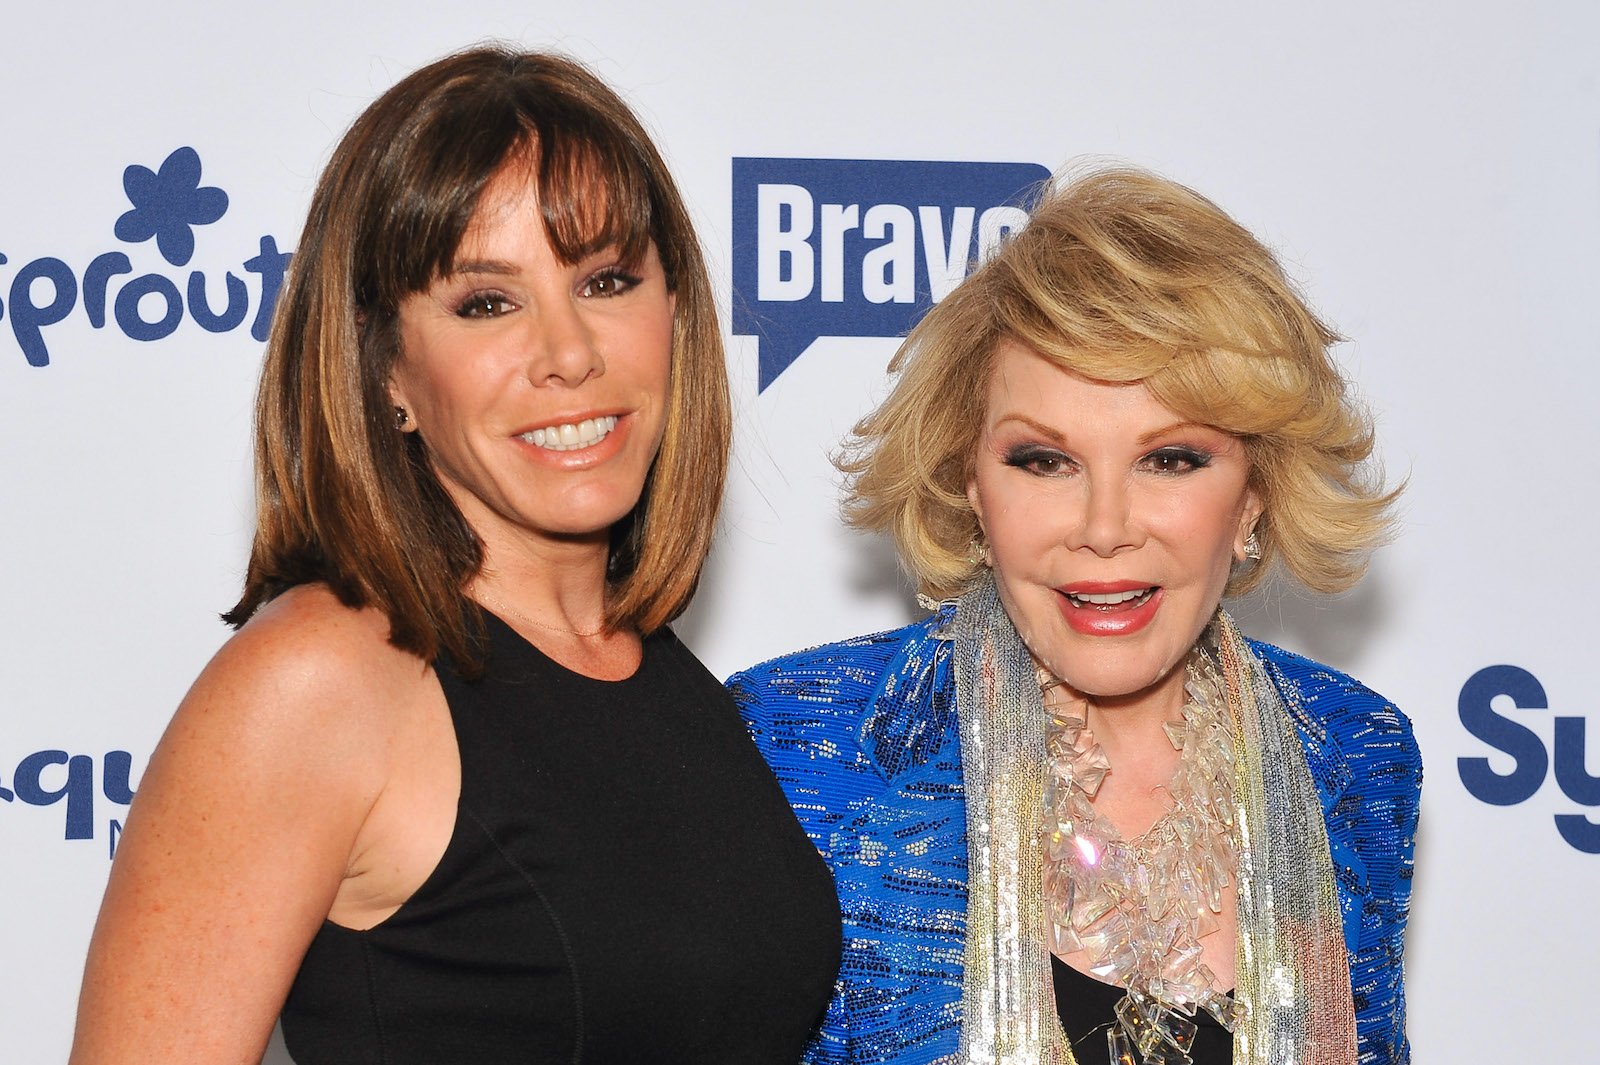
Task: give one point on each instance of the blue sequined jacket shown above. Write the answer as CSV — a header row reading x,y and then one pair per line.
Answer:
x,y
863,737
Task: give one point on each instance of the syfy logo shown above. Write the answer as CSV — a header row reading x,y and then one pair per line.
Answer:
x,y
45,778
1527,750
859,247
167,205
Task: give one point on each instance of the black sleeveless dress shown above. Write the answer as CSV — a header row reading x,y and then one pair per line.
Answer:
x,y
625,883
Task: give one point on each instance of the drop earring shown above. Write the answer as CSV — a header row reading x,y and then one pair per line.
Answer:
x,y
978,553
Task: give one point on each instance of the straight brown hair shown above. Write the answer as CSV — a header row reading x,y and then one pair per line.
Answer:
x,y
342,497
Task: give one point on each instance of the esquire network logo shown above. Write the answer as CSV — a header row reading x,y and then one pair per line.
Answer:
x,y
1531,762
167,205
859,247
45,778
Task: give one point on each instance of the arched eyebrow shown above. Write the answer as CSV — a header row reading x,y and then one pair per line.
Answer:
x,y
1175,427
502,268
497,267
1180,427
1053,435
1058,438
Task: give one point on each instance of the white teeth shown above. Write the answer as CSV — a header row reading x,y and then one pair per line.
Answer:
x,y
1109,598
571,436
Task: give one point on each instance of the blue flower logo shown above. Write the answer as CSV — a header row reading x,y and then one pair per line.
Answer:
x,y
168,204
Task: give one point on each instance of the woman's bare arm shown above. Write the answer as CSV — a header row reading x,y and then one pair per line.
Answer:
x,y
241,835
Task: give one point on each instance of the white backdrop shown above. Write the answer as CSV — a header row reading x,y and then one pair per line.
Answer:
x,y
1429,172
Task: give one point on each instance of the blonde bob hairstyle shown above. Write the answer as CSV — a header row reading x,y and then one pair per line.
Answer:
x,y
1123,276
346,499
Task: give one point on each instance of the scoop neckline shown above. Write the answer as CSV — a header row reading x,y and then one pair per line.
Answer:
x,y
511,630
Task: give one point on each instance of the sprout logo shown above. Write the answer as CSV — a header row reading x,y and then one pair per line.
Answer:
x,y
167,206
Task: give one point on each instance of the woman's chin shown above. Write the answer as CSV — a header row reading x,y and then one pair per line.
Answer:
x,y
1130,684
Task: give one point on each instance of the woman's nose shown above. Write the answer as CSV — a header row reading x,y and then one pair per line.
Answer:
x,y
1107,525
562,348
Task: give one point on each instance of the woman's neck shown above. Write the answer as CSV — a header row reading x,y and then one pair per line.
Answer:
x,y
556,599
1135,723
555,583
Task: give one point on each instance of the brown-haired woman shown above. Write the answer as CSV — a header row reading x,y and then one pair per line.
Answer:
x,y
1074,815
454,792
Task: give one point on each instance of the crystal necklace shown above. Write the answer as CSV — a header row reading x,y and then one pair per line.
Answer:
x,y
1138,908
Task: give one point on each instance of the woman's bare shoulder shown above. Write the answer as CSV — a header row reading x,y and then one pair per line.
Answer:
x,y
307,687
310,655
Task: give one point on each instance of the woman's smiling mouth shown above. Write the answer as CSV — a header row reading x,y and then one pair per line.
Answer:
x,y
1133,597
570,436
1111,609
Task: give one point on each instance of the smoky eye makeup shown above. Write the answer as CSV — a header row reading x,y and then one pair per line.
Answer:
x,y
1178,458
1036,458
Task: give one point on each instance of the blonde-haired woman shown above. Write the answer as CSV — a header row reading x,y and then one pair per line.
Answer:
x,y
1075,814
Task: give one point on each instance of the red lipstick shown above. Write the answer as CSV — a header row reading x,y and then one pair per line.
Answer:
x,y
1123,616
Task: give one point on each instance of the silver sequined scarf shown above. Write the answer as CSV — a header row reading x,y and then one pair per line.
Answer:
x,y
1292,973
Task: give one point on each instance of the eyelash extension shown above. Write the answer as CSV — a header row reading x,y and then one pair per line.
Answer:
x,y
1030,456
1197,460
1025,456
623,279
476,300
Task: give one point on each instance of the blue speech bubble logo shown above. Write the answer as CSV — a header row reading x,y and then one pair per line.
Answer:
x,y
860,247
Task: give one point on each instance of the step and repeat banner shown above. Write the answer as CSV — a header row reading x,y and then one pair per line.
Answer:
x,y
1429,173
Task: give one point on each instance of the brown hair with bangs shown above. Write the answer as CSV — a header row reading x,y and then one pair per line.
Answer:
x,y
345,499
1123,276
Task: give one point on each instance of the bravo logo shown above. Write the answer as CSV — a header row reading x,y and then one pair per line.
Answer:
x,y
166,205
1520,690
45,778
858,247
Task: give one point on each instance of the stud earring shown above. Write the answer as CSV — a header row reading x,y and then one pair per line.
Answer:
x,y
401,418
1252,547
